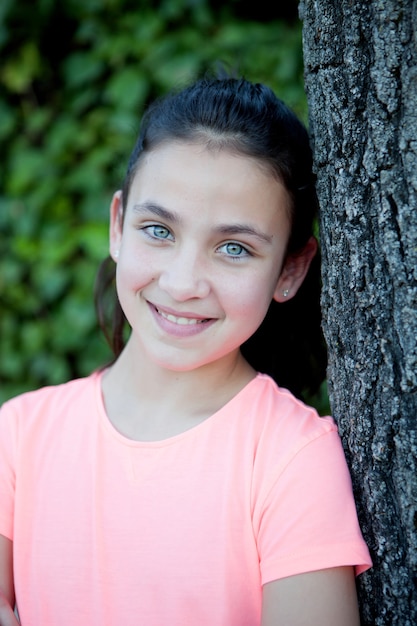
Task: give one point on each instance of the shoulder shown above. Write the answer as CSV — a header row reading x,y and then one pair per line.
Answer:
x,y
294,446
280,432
278,410
50,399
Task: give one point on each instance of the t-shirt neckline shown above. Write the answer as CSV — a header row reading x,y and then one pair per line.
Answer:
x,y
189,432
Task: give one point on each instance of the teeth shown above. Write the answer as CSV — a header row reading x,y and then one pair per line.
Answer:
x,y
182,321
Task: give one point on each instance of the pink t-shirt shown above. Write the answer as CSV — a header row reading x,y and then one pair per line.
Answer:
x,y
179,532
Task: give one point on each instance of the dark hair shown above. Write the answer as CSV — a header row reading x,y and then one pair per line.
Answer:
x,y
246,118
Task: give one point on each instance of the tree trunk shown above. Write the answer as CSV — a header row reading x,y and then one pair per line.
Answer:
x,y
361,84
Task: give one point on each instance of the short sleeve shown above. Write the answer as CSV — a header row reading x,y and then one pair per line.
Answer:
x,y
308,521
7,471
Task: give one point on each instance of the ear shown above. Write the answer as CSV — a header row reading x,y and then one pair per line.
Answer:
x,y
294,271
116,224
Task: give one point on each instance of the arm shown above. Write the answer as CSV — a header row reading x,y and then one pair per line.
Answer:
x,y
323,598
7,616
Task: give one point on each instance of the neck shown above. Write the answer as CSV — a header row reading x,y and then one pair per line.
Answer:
x,y
136,389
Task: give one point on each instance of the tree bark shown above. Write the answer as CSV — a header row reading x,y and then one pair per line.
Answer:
x,y
361,85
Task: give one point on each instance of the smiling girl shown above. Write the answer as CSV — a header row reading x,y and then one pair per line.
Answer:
x,y
181,485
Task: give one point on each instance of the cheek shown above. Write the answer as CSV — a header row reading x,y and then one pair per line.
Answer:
x,y
249,298
133,272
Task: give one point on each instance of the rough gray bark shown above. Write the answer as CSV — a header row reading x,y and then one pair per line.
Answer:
x,y
361,83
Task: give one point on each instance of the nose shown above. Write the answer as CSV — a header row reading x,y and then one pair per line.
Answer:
x,y
185,277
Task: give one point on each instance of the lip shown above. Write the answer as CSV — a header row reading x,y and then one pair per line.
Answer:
x,y
180,324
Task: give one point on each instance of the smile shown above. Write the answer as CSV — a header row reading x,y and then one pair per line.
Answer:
x,y
181,321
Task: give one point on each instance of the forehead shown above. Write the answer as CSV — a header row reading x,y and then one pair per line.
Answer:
x,y
206,164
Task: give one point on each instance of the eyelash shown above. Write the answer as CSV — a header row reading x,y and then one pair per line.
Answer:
x,y
151,229
236,245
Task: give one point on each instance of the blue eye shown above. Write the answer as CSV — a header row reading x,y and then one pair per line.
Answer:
x,y
156,231
234,249
161,232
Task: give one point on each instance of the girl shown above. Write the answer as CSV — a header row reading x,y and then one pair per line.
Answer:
x,y
180,485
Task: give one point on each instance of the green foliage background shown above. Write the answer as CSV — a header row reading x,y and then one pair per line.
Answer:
x,y
75,76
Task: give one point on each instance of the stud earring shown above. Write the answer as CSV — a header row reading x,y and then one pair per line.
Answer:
x,y
285,293
116,254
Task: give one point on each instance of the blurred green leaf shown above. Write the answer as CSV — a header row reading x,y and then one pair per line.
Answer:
x,y
81,68
127,89
19,71
7,120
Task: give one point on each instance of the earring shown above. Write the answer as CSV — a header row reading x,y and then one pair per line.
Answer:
x,y
116,254
285,293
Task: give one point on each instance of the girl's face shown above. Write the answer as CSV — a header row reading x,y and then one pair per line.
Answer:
x,y
200,253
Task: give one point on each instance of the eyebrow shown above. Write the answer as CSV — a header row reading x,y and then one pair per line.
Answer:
x,y
243,229
225,229
156,209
